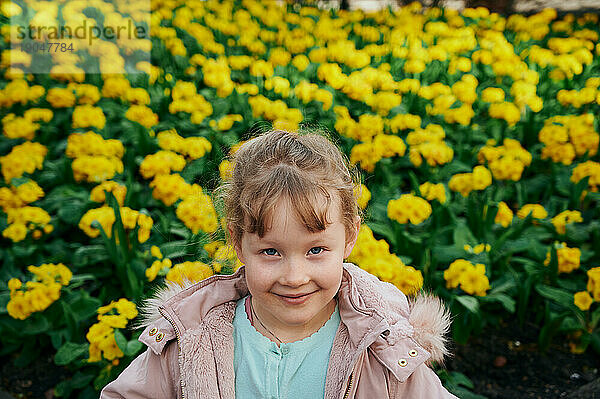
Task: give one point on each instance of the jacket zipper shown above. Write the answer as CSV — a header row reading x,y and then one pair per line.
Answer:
x,y
178,351
349,386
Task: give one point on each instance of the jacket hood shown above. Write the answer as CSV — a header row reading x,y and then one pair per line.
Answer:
x,y
424,317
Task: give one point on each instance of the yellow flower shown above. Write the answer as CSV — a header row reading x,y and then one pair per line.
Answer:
x,y
226,122
29,192
461,64
432,191
584,169
40,292
504,216
537,211
583,300
198,213
262,68
158,267
301,62
61,97
506,161
161,162
137,96
101,335
568,258
481,178
279,56
363,195
479,248
155,251
87,115
90,143
15,232
414,66
96,168
507,111
225,169
404,121
119,191
474,281
455,270
212,247
492,95
593,284
464,183
471,278
169,188
409,208
115,86
18,127
105,217
566,217
143,115
189,271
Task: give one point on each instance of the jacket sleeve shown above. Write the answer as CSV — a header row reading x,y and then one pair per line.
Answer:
x,y
423,383
150,375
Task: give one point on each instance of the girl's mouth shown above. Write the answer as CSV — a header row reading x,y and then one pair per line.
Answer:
x,y
296,299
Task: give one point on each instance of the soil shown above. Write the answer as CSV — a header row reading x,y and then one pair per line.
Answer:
x,y
501,362
36,381
506,362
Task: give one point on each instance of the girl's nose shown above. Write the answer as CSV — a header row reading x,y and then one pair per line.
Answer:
x,y
294,274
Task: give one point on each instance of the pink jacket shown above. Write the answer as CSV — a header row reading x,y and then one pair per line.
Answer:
x,y
381,349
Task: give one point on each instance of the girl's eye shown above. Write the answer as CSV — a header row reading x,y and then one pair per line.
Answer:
x,y
315,250
270,251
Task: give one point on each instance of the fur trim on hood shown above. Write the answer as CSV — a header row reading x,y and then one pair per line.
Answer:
x,y
148,309
431,321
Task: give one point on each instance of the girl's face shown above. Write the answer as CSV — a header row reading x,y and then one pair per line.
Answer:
x,y
293,274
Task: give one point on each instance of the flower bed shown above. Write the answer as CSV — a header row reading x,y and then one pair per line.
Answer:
x,y
476,135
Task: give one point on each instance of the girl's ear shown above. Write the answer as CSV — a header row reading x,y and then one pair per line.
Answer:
x,y
352,239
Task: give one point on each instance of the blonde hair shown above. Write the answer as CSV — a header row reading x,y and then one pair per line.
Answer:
x,y
300,167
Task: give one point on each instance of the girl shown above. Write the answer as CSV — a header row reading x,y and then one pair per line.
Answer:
x,y
295,321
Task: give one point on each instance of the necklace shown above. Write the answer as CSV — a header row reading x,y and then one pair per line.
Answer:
x,y
261,323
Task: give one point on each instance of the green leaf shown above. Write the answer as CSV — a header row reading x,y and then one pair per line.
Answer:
x,y
84,306
469,302
69,352
36,325
175,249
79,380
464,393
194,169
447,253
507,302
561,297
133,348
550,329
385,230
89,255
463,235
121,340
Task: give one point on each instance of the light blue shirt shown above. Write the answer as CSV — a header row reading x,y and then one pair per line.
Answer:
x,y
293,370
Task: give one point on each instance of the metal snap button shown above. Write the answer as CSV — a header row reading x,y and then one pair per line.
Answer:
x,y
153,331
412,353
159,337
285,350
402,363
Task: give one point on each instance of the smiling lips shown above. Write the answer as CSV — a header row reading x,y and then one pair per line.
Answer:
x,y
295,299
